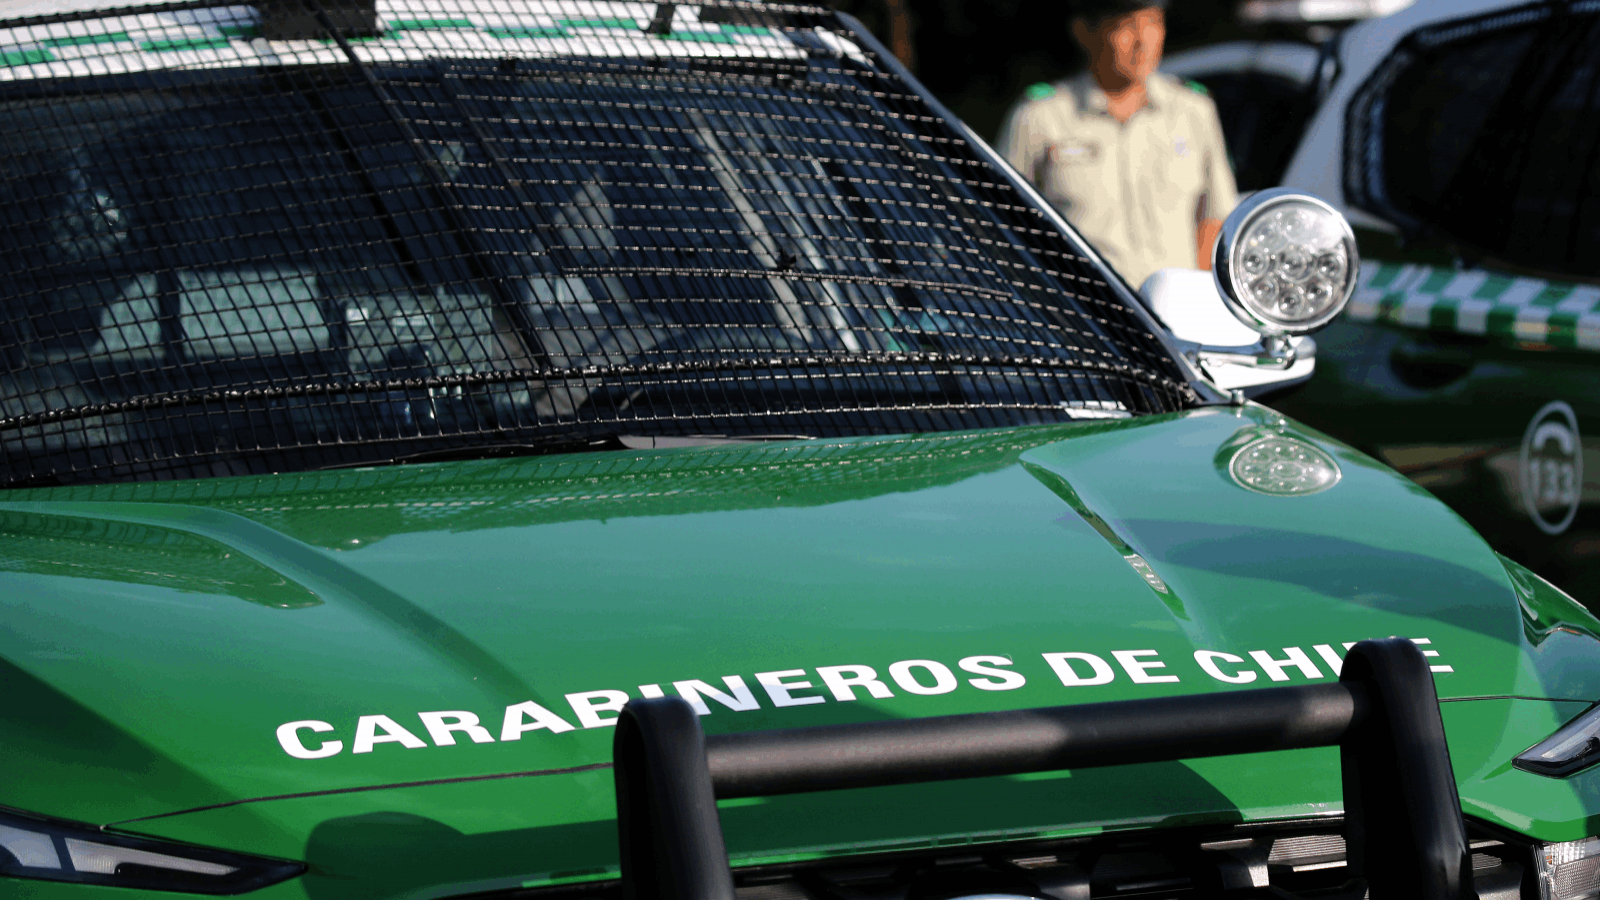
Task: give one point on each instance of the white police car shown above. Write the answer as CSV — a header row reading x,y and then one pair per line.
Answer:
x,y
1462,140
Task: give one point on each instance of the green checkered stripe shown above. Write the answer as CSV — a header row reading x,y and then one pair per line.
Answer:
x,y
230,36
1530,310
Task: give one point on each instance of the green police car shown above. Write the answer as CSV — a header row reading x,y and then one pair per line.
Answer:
x,y
1460,138
578,450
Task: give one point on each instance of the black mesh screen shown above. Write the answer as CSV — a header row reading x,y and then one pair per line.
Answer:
x,y
480,225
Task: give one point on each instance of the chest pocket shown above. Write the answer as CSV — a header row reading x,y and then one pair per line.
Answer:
x,y
1076,173
1174,163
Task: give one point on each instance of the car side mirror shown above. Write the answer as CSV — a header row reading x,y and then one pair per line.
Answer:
x,y
1284,265
1232,355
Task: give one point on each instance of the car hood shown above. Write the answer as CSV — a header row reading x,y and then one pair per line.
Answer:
x,y
158,637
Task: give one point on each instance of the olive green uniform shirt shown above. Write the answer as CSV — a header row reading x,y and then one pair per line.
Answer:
x,y
1136,189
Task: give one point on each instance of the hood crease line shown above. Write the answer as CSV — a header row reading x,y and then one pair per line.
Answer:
x,y
356,790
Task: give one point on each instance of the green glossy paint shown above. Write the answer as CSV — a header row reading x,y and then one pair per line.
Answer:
x,y
158,634
1450,412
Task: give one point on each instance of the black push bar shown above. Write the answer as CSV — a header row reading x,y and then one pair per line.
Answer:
x,y
1402,814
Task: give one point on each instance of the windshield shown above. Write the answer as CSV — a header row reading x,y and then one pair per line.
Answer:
x,y
227,254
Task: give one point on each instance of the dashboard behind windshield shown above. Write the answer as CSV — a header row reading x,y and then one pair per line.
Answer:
x,y
226,269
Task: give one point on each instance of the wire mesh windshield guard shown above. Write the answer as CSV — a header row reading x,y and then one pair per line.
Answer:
x,y
242,239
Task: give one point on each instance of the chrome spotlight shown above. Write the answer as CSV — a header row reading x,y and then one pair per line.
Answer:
x,y
1286,262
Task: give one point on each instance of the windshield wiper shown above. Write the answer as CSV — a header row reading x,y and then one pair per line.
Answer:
x,y
666,441
590,443
145,403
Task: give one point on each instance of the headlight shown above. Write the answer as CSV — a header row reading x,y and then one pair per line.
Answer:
x,y
1286,262
1575,746
51,850
1569,871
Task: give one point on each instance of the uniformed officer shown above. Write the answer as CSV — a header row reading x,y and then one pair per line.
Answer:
x,y
1133,158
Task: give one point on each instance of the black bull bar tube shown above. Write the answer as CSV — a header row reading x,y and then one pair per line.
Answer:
x,y
1403,821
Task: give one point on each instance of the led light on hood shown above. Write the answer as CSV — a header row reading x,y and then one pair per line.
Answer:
x,y
1277,460
1575,746
50,850
1283,466
1570,871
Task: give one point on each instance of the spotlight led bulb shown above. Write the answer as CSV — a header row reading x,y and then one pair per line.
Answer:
x,y
1288,261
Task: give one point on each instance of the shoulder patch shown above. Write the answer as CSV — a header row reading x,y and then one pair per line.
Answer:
x,y
1039,91
1197,87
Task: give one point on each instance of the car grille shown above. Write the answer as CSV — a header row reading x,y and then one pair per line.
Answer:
x,y
1305,859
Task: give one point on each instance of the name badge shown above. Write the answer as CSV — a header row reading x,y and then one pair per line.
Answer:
x,y
1074,154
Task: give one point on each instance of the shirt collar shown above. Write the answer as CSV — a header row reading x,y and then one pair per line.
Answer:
x,y
1092,99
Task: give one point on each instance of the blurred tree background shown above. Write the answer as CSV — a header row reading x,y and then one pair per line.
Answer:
x,y
977,57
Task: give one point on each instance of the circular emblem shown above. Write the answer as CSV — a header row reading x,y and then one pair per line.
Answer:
x,y
1551,468
1283,466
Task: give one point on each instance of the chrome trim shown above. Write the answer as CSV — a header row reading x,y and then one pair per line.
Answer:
x,y
1273,352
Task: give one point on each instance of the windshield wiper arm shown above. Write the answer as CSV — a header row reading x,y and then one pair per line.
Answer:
x,y
566,444
144,403
667,441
